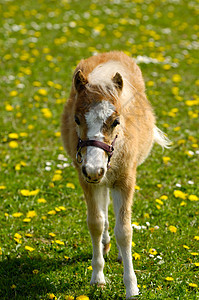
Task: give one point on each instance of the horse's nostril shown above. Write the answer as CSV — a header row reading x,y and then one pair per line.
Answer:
x,y
101,172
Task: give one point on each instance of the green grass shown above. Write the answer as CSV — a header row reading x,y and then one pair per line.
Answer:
x,y
40,44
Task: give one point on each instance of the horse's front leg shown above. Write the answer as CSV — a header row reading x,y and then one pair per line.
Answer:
x,y
123,233
96,217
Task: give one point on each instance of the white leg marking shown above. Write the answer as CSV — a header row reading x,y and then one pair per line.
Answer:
x,y
123,233
96,224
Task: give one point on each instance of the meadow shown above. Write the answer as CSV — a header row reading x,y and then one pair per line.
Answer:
x,y
45,247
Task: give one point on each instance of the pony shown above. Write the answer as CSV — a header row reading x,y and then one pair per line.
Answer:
x,y
108,129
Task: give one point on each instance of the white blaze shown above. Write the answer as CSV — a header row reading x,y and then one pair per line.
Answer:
x,y
95,118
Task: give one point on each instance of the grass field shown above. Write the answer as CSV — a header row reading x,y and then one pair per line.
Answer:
x,y
45,247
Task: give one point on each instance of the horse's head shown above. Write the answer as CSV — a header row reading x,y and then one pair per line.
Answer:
x,y
96,117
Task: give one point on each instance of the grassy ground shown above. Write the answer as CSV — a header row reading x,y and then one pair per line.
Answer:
x,y
45,248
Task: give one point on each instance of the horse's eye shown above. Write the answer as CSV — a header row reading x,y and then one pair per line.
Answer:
x,y
77,121
116,122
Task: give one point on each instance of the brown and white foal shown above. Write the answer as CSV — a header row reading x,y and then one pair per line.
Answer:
x,y
108,129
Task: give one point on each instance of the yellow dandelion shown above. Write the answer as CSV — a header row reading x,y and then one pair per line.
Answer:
x,y
180,194
13,136
70,185
153,251
58,134
196,264
185,246
31,214
25,192
35,272
2,187
13,145
57,177
169,279
27,220
42,92
196,237
17,215
136,256
18,236
82,297
30,249
13,93
34,192
59,242
1,251
62,208
52,296
137,188
176,78
90,268
9,107
52,234
52,212
41,200
166,159
29,235
194,253
172,229
194,285
193,198
159,201
69,298
164,197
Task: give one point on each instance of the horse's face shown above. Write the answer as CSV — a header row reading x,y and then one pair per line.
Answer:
x,y
97,123
96,117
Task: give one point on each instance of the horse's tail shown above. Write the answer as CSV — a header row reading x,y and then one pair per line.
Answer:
x,y
160,138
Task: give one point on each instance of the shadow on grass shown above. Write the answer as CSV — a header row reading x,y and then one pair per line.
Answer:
x,y
29,277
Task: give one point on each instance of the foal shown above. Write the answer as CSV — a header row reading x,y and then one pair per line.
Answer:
x,y
108,129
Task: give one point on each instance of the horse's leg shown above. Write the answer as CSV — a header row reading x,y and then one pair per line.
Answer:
x,y
106,237
96,199
123,232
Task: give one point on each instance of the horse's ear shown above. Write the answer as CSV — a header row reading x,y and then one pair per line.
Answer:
x,y
118,81
80,81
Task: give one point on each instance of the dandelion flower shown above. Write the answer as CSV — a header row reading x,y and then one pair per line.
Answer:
x,y
70,185
31,214
17,215
180,194
41,200
52,212
13,136
166,159
136,256
172,229
153,251
59,242
194,285
90,268
52,234
26,220
193,198
196,237
30,249
52,296
42,92
69,298
169,279
13,144
196,264
82,297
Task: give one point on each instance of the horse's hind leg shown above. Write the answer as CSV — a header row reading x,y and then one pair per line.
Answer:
x,y
106,237
123,234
